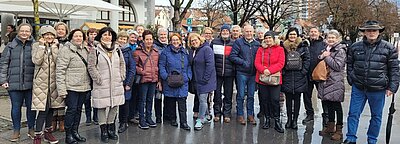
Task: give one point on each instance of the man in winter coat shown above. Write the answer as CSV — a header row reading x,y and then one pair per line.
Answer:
x,y
243,54
373,72
317,45
222,47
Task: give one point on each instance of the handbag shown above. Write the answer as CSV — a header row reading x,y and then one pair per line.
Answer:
x,y
175,78
138,77
320,72
272,79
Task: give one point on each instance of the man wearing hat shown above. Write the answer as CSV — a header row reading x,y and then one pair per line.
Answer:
x,y
222,47
373,73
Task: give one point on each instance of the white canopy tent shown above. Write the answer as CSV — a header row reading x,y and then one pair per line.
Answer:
x,y
63,8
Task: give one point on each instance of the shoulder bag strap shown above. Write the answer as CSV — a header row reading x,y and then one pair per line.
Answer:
x,y
83,59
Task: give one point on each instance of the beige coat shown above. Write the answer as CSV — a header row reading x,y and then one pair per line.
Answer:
x,y
71,72
44,81
108,75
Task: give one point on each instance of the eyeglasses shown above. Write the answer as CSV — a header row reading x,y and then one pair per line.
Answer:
x,y
24,31
194,40
208,33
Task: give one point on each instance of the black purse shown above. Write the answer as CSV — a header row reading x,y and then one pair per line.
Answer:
x,y
175,78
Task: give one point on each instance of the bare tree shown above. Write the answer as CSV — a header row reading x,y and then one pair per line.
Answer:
x,y
243,8
214,11
179,13
273,11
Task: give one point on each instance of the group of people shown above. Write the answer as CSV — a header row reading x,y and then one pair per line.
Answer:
x,y
124,73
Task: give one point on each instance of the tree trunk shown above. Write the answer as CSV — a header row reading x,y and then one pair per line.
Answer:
x,y
235,18
175,21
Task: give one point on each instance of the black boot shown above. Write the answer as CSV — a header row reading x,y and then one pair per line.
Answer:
x,y
325,119
104,134
289,121
267,123
69,139
77,136
111,132
294,122
278,125
122,127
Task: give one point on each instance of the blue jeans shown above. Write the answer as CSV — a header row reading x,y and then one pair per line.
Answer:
x,y
146,93
18,97
376,101
203,105
242,82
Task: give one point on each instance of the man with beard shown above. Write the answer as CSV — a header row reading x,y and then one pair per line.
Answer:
x,y
222,47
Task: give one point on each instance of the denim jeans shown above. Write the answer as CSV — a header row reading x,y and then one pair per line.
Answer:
x,y
18,97
376,101
134,102
88,110
146,93
250,82
203,105
74,102
223,106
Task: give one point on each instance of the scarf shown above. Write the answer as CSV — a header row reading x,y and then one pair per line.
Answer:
x,y
290,46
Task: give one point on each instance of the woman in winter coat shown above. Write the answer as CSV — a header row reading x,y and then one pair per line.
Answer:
x,y
44,96
107,68
175,58
73,82
204,75
59,113
130,66
270,59
294,80
332,90
146,57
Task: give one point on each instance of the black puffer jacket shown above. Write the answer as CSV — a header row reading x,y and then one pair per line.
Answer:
x,y
222,49
295,81
373,67
316,48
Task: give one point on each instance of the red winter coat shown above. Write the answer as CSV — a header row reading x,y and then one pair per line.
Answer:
x,y
276,55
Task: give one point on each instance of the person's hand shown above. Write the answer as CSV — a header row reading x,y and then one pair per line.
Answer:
x,y
127,88
5,85
267,72
55,41
326,53
42,41
159,86
389,93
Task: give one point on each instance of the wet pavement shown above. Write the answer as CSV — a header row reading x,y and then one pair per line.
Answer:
x,y
233,133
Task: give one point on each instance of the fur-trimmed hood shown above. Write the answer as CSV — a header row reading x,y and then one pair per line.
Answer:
x,y
289,46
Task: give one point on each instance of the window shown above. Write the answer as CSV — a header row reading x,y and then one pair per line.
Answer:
x,y
123,16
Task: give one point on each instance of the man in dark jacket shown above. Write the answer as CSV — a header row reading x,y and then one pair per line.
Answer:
x,y
161,43
222,47
317,45
243,54
16,75
373,72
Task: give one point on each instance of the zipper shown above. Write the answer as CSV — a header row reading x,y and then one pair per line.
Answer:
x,y
48,78
223,61
294,85
22,59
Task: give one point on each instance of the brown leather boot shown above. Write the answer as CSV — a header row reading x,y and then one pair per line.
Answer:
x,y
54,123
330,128
61,124
338,135
241,120
48,136
251,120
15,136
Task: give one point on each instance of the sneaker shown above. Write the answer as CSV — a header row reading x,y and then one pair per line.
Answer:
x,y
134,121
151,123
31,133
88,123
15,136
49,137
199,125
217,118
209,117
227,120
143,125
38,138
